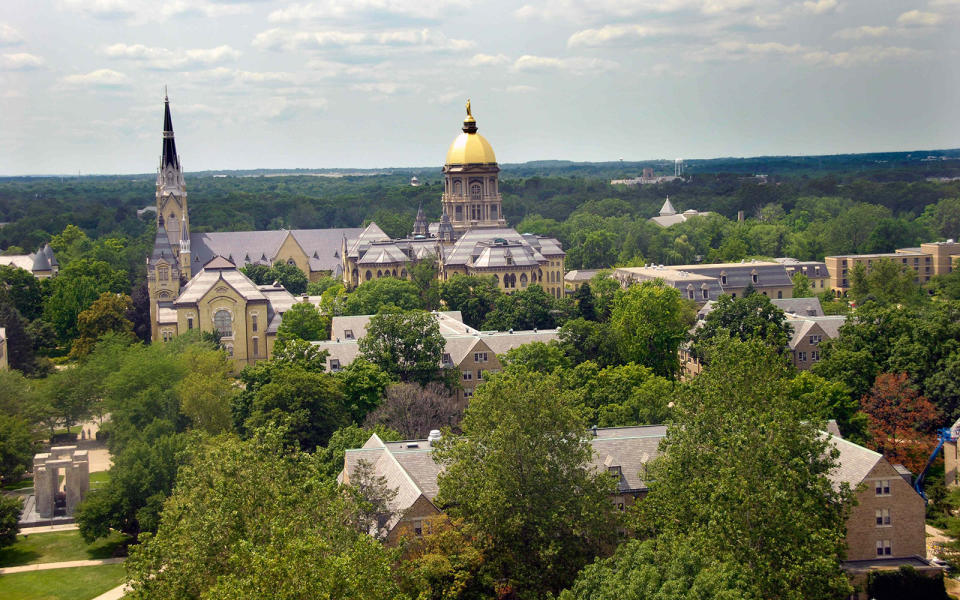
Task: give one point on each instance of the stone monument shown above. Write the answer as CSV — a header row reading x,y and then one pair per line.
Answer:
x,y
46,479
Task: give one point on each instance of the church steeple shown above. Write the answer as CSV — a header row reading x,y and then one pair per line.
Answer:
x,y
420,226
169,157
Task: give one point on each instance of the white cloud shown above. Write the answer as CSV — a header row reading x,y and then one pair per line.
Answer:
x,y
387,88
862,55
425,39
820,7
578,65
600,10
613,33
164,59
241,77
448,97
916,18
485,60
520,89
20,61
740,50
345,9
864,31
144,11
9,36
99,78
282,108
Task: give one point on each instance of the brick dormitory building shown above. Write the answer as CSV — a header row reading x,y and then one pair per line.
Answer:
x,y
885,529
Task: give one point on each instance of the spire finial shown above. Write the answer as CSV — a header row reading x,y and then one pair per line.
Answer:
x,y
469,124
469,114
166,98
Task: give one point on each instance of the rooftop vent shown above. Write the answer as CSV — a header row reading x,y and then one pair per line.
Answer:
x,y
434,436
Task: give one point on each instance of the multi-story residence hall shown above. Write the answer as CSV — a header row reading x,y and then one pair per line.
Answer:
x,y
471,238
703,283
884,529
472,352
934,258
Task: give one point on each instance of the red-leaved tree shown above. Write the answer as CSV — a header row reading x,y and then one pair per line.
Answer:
x,y
898,417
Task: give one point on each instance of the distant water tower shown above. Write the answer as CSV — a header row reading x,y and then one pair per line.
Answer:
x,y
678,167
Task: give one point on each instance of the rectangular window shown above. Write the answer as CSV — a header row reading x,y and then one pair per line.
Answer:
x,y
479,357
348,334
189,322
883,517
882,487
814,355
468,393
802,356
467,375
479,373
418,528
253,322
334,364
256,347
816,339
447,361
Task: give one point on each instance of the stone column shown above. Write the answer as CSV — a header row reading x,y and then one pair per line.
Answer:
x,y
78,480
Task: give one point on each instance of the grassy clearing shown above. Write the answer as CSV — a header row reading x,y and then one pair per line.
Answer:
x,y
57,546
18,485
99,479
76,583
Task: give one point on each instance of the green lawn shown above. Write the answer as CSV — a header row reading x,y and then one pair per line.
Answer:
x,y
76,583
18,485
99,479
57,546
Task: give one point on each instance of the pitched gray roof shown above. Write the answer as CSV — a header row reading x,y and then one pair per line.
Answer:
x,y
322,246
206,279
802,307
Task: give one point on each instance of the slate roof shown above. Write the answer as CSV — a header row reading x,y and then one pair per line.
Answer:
x,y
219,270
450,322
408,466
580,275
22,261
322,246
739,275
803,307
528,247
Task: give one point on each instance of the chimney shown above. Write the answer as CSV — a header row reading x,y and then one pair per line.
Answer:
x,y
740,216
434,437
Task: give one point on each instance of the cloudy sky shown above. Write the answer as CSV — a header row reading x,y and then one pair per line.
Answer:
x,y
377,83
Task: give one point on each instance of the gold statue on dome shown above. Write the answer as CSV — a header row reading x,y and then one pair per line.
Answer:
x,y
469,114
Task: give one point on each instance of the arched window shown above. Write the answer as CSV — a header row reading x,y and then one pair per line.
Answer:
x,y
403,273
163,273
355,274
379,274
723,278
523,280
475,190
369,275
394,272
456,187
221,322
290,261
496,278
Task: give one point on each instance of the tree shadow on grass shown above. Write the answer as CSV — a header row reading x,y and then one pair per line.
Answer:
x,y
13,556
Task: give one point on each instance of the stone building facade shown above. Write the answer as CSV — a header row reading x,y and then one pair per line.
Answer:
x,y
934,258
472,237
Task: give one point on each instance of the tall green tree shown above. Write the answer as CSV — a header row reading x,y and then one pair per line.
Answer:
x,y
887,282
512,475
16,448
649,321
750,317
474,296
75,288
108,313
406,345
282,531
371,297
23,290
303,320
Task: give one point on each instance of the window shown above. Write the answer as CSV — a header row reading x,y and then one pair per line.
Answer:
x,y
723,279
368,275
754,277
883,548
814,355
705,293
475,190
779,294
189,322
230,350
348,334
253,322
883,517
163,273
221,322
334,364
468,393
690,294
479,373
467,375
447,360
523,280
802,356
816,339
256,347
479,357
418,527
882,487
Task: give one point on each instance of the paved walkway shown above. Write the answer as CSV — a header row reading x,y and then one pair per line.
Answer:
x,y
114,594
48,528
61,565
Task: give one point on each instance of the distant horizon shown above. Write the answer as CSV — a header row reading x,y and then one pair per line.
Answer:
x,y
625,162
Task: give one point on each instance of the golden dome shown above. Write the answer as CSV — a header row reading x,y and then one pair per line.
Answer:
x,y
470,148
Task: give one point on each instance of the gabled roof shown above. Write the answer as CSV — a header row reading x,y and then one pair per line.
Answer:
x,y
219,271
802,307
322,246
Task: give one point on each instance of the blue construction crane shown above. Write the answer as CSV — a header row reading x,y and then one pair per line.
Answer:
x,y
947,434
